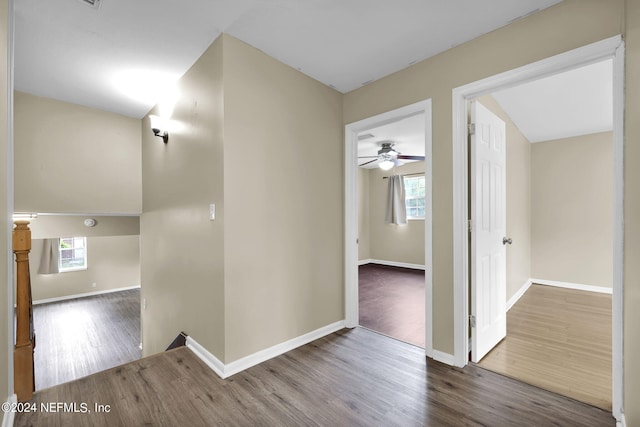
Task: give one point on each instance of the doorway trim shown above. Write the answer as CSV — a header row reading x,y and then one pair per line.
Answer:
x,y
351,210
611,48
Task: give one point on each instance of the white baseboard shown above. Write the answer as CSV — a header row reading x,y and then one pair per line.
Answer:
x,y
392,263
225,371
443,357
514,299
203,354
88,294
578,286
9,416
621,422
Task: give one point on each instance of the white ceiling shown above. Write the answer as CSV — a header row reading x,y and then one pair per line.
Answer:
x,y
573,103
69,51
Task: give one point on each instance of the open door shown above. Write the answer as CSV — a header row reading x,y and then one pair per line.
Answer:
x,y
488,228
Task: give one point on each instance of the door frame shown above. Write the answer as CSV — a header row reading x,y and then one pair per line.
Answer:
x,y
351,210
611,48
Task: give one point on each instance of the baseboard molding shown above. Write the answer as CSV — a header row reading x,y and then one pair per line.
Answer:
x,y
392,264
88,294
9,416
514,299
621,422
225,371
443,357
578,286
209,359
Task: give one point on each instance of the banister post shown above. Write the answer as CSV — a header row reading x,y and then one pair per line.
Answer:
x,y
24,382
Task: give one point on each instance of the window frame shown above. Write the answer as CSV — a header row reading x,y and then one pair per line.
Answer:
x,y
407,197
85,265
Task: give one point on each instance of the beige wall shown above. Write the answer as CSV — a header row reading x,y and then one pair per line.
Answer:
x,y
390,242
113,262
182,259
568,25
51,135
283,190
50,226
6,386
518,200
113,253
363,214
632,216
571,199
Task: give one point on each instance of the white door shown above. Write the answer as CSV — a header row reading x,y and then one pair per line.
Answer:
x,y
488,228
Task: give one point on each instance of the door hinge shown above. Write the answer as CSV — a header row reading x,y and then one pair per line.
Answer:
x,y
472,128
472,321
470,226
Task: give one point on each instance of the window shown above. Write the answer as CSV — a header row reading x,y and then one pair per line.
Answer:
x,y
414,196
73,254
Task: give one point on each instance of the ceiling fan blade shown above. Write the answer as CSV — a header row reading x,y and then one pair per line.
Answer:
x,y
401,156
368,157
370,161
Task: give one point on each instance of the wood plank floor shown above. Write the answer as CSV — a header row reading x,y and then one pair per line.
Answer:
x,y
392,302
560,340
82,336
349,378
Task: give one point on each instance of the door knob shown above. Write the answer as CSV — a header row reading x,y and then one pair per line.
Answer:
x,y
505,241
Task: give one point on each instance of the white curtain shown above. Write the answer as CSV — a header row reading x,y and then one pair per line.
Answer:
x,y
396,209
50,255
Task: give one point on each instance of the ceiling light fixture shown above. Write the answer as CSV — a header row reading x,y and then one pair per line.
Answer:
x,y
386,162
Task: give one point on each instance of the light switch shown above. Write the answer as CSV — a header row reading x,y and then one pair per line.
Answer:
x,y
212,212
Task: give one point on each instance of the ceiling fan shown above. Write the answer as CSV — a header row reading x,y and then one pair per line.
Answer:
x,y
388,156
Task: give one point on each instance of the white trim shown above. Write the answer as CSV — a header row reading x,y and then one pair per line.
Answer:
x,y
443,357
612,47
514,299
392,264
88,214
351,210
225,371
208,358
617,338
621,422
278,349
10,196
9,416
88,294
568,285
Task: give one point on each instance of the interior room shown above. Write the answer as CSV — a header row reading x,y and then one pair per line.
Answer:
x,y
85,282
559,182
391,251
227,130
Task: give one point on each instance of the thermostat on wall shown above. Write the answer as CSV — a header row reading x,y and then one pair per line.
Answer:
x,y
89,222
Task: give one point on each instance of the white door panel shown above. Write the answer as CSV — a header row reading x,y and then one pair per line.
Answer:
x,y
488,211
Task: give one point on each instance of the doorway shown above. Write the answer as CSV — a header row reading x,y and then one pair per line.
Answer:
x,y
557,235
352,131
612,48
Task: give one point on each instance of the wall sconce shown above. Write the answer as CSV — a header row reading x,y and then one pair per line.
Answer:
x,y
159,128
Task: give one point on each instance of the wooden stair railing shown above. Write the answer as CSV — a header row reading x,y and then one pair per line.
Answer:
x,y
23,376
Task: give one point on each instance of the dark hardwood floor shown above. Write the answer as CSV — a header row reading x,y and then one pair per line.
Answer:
x,y
349,378
79,337
392,302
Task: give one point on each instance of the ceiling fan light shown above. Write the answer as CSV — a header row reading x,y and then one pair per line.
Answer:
x,y
385,165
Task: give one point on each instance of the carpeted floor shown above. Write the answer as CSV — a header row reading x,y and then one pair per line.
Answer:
x,y
392,302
